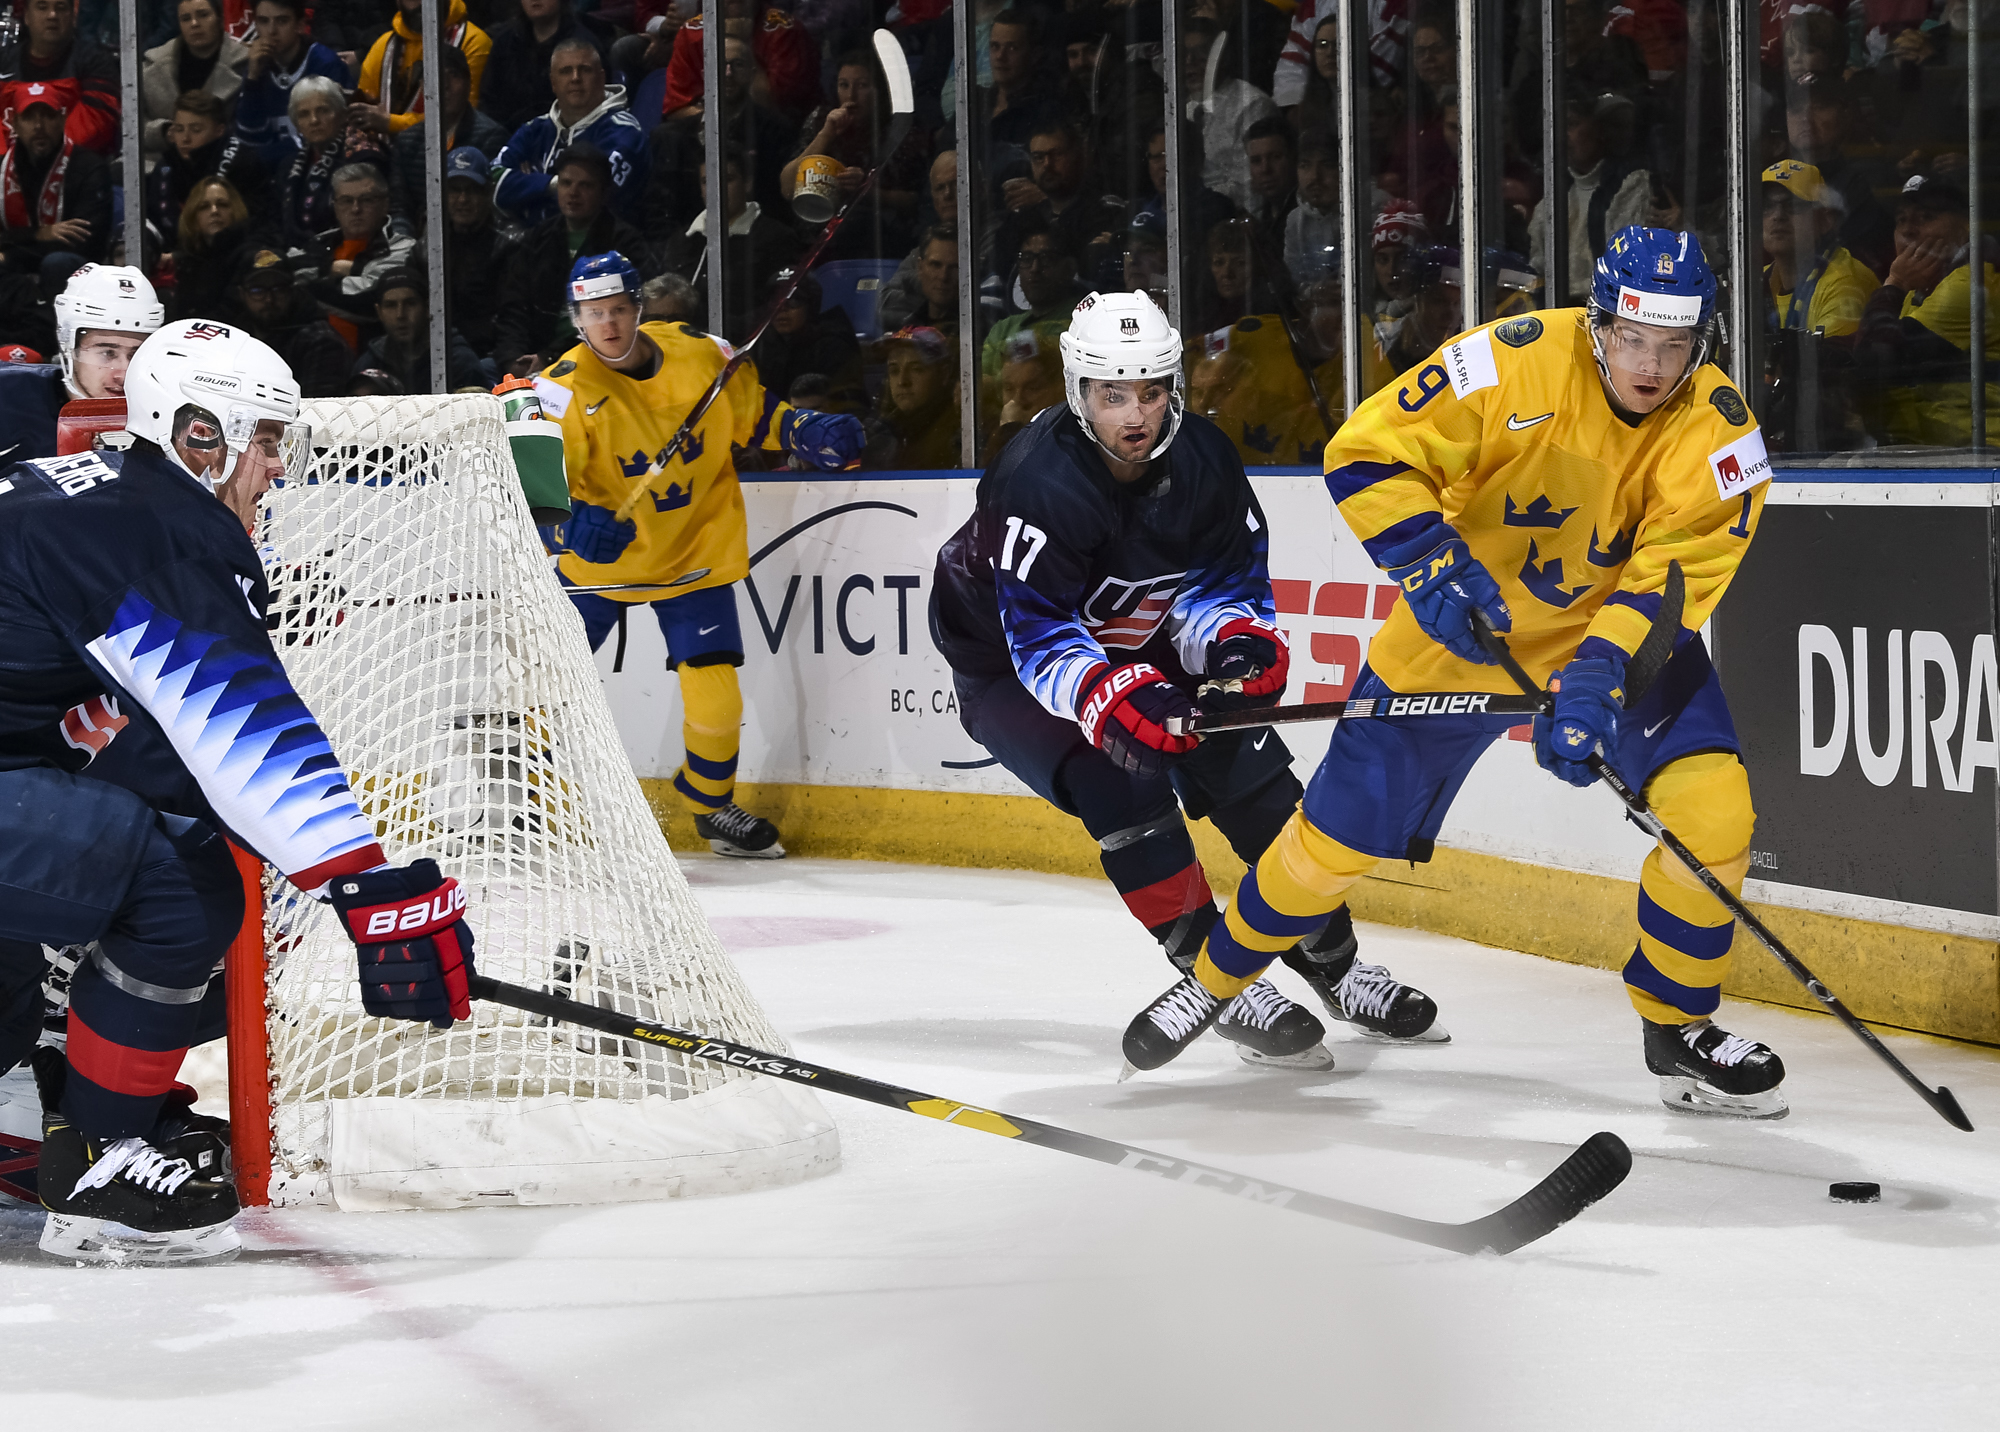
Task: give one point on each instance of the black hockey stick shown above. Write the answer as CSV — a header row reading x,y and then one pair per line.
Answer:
x,y
1597,1166
1941,1099
903,105
1437,703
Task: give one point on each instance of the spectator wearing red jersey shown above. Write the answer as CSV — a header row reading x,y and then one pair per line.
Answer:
x,y
50,49
55,196
783,50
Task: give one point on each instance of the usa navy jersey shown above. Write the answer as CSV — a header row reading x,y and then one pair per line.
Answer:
x,y
132,618
1062,568
31,398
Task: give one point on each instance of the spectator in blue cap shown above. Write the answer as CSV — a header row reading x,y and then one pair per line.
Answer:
x,y
464,128
478,246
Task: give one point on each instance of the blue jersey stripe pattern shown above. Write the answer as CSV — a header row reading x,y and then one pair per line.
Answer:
x,y
1052,649
242,731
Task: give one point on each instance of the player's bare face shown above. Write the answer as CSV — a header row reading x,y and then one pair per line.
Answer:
x,y
101,360
255,469
1646,362
611,327
1128,417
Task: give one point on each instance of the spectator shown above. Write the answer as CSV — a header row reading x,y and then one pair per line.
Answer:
x,y
264,300
851,132
936,284
1016,100
342,266
670,299
1312,230
676,146
1433,62
464,127
784,51
1915,340
403,348
477,248
1271,157
585,111
200,57
1209,207
1225,115
804,340
1057,193
517,86
1234,283
1605,195
1399,227
1431,277
1047,274
280,56
758,246
55,197
920,399
49,48
1811,284
201,146
904,296
210,231
1146,263
533,326
392,77
374,383
1598,60
1030,379
328,141
1316,98
1820,123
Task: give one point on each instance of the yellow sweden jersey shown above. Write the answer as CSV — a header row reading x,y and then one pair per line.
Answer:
x,y
1838,296
1507,434
690,517
1247,381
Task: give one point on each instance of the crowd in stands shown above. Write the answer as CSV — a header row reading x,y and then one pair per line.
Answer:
x,y
284,148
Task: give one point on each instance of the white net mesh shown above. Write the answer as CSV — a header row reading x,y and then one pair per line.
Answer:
x,y
413,609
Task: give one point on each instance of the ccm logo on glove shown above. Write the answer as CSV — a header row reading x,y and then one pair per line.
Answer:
x,y
421,917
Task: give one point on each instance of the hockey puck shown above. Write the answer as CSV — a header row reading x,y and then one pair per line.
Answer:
x,y
1855,1192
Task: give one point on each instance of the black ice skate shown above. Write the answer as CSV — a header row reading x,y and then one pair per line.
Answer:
x,y
732,830
1706,1070
1270,1032
161,1200
1168,1025
1364,995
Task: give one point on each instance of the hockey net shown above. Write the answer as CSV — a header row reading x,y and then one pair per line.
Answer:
x,y
413,607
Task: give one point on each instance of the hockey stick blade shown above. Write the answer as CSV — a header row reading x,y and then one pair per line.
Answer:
x,y
1440,703
1596,1167
1941,1100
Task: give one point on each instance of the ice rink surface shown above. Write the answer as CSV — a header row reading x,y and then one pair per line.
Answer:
x,y
944,1279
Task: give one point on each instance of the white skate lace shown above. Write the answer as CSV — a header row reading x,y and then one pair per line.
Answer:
x,y
734,821
1258,1006
138,1162
1181,1009
1733,1049
1368,990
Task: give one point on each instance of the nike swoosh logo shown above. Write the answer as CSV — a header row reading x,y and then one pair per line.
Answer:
x,y
1656,726
1514,421
706,630
1258,744
587,412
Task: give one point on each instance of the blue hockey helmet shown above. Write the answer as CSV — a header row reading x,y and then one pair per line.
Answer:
x,y
601,275
1658,277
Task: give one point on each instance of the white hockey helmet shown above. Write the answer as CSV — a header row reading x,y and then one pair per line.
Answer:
x,y
103,296
218,370
1122,337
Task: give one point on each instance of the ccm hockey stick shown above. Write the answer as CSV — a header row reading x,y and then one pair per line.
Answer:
x,y
1597,1166
1941,1099
903,106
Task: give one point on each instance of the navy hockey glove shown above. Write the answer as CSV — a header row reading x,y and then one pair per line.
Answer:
x,y
415,947
1248,663
594,536
1124,711
1589,698
831,442
1444,584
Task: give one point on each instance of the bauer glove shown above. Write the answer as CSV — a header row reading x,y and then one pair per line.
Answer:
x,y
1124,711
1247,665
1444,585
1589,698
594,534
415,948
831,442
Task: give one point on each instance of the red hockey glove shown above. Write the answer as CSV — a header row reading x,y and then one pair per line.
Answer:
x,y
415,947
1248,663
1124,712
